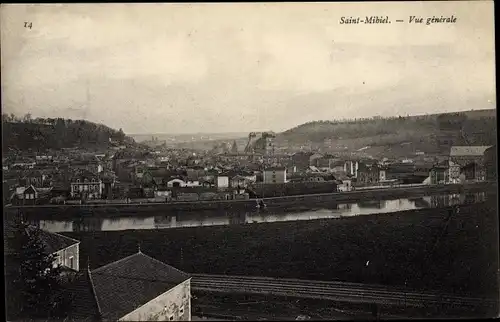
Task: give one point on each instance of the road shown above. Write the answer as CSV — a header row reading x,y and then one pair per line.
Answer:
x,y
336,291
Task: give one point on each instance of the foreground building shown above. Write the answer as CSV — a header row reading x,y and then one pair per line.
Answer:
x,y
66,249
134,288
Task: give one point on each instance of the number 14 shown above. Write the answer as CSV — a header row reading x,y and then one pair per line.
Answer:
x,y
28,25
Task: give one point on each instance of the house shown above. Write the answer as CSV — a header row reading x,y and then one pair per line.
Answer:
x,y
86,185
490,163
471,161
439,173
195,172
134,288
162,192
66,249
314,157
453,172
36,178
301,160
344,182
33,196
351,167
322,161
93,166
222,181
108,181
368,173
400,171
274,175
175,182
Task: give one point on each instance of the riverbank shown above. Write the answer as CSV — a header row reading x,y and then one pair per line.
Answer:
x,y
401,248
110,210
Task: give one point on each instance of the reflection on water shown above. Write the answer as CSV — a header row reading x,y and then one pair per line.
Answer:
x,y
214,218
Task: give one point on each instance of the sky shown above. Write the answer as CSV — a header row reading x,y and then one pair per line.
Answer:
x,y
210,68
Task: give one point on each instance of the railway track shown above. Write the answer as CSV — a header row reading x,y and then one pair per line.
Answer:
x,y
336,291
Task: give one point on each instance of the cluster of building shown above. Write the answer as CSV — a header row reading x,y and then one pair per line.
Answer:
x,y
167,175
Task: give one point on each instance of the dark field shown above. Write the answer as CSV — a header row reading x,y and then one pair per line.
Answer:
x,y
398,245
275,308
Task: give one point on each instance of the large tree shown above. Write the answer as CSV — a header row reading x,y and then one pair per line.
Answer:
x,y
36,284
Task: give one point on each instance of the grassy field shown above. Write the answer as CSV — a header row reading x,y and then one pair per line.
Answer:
x,y
401,247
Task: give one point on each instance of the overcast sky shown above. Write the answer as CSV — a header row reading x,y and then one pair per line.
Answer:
x,y
180,68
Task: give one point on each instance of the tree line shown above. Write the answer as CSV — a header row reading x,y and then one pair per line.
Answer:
x,y
55,133
377,126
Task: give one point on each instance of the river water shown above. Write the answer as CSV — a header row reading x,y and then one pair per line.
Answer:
x,y
214,218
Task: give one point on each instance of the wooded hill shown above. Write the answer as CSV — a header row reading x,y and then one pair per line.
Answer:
x,y
57,133
424,132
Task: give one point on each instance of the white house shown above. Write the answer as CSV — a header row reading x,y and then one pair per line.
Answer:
x,y
222,181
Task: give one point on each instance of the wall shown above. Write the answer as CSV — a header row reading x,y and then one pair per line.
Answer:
x,y
345,186
65,254
165,306
222,182
294,188
279,176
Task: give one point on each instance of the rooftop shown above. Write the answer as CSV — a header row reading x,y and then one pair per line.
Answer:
x,y
468,150
53,242
121,287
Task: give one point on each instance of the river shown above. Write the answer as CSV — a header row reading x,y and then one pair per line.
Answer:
x,y
214,218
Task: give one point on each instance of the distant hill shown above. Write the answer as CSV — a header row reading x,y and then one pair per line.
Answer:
x,y
190,137
41,134
401,135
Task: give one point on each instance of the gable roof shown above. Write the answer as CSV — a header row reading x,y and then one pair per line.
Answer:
x,y
53,242
30,189
125,285
468,150
84,174
83,304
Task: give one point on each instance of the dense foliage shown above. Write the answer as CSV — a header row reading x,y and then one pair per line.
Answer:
x,y
34,284
478,126
56,133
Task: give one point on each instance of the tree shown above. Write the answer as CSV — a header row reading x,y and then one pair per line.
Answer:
x,y
234,148
37,286
27,118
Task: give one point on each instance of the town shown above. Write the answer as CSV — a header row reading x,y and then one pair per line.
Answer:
x,y
133,173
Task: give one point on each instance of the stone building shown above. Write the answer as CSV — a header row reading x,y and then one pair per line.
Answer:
x,y
470,160
86,185
134,288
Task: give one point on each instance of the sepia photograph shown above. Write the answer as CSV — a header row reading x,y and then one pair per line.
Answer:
x,y
249,161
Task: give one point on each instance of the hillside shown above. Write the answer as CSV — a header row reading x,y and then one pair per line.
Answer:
x,y
428,133
41,134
